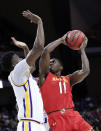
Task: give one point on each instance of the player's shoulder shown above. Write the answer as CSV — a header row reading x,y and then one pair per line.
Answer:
x,y
67,76
48,75
17,68
21,68
21,63
9,77
20,74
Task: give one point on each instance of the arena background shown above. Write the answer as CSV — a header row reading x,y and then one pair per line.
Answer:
x,y
59,16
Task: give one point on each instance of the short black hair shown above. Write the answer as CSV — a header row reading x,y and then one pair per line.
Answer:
x,y
6,61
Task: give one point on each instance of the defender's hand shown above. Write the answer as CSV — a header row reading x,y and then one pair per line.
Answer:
x,y
32,17
19,43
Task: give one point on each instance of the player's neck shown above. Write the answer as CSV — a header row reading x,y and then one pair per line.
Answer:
x,y
58,73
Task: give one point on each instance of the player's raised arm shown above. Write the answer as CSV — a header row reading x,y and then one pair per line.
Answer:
x,y
21,45
37,49
45,58
80,75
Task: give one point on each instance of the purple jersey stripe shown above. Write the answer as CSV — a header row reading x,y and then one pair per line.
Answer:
x,y
29,126
22,126
30,120
25,88
31,106
24,107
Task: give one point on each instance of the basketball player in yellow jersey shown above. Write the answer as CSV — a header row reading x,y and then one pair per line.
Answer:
x,y
28,97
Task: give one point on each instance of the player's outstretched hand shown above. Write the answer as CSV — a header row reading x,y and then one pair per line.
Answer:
x,y
19,43
84,44
32,17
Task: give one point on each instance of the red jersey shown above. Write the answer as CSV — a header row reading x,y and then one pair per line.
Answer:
x,y
56,93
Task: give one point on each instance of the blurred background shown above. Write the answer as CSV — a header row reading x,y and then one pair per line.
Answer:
x,y
59,16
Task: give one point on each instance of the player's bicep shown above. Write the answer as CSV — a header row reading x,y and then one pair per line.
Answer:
x,y
77,77
44,62
41,80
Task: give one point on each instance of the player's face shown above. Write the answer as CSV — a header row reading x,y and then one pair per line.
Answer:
x,y
55,65
15,60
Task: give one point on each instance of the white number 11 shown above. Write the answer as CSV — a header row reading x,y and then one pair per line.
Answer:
x,y
61,89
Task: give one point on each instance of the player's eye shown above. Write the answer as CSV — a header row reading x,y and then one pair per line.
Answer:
x,y
52,62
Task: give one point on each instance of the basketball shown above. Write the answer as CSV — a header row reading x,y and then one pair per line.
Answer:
x,y
74,39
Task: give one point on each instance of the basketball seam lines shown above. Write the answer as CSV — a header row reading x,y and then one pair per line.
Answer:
x,y
74,36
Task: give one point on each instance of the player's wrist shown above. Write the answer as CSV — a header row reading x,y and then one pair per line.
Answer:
x,y
39,21
82,50
36,20
63,40
25,47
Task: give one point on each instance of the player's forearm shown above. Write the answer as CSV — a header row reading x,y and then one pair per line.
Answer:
x,y
33,55
40,38
26,51
85,61
37,49
51,47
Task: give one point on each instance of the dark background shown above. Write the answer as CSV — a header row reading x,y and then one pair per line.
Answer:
x,y
59,16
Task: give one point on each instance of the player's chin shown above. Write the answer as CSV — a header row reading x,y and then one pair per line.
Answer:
x,y
91,129
61,68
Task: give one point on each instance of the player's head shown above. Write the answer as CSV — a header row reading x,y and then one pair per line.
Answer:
x,y
55,66
9,61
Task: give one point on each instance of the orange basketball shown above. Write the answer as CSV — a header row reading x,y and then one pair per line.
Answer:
x,y
74,39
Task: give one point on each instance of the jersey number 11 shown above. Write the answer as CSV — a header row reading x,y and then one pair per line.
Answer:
x,y
62,87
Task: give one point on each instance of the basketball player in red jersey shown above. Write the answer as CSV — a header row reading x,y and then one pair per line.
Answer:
x,y
56,90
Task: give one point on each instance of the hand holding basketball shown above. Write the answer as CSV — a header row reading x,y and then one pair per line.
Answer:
x,y
64,38
84,44
74,39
